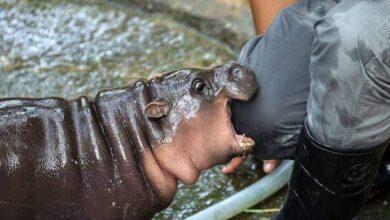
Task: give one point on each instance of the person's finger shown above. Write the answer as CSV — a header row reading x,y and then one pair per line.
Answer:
x,y
270,165
233,165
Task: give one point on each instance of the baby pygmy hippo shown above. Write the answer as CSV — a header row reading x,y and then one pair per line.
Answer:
x,y
119,155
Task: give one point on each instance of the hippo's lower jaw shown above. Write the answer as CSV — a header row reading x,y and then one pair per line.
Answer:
x,y
245,144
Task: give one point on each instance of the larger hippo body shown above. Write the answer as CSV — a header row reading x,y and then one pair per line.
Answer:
x,y
97,158
79,158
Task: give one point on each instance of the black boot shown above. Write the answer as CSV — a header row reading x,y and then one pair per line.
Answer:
x,y
381,184
327,183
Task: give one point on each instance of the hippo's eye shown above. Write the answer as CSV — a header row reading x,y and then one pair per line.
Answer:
x,y
199,86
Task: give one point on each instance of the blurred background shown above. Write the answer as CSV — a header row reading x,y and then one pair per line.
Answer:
x,y
70,48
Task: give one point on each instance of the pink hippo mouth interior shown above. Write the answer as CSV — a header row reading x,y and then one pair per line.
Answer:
x,y
243,144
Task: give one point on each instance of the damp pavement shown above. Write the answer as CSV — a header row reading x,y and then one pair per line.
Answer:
x,y
58,48
67,49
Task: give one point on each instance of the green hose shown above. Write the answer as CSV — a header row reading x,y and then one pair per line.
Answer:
x,y
249,196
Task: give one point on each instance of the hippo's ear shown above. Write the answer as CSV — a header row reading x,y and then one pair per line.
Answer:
x,y
157,108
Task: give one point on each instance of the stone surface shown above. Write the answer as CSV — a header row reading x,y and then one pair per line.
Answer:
x,y
228,21
67,49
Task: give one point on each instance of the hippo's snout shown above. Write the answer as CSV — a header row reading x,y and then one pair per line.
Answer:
x,y
238,82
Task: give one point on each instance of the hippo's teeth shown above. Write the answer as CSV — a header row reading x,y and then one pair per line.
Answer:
x,y
245,142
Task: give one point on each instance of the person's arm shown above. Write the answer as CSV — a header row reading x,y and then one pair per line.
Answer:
x,y
264,11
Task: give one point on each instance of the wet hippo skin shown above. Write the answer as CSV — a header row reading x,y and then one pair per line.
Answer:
x,y
119,155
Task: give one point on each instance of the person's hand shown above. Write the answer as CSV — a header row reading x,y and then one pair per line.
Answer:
x,y
268,165
233,165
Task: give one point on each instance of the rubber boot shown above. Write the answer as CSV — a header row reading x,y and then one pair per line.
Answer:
x,y
381,184
328,183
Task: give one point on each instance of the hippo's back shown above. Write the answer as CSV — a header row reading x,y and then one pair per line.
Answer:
x,y
55,163
34,154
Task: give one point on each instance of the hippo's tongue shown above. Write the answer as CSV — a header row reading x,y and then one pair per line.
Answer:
x,y
245,144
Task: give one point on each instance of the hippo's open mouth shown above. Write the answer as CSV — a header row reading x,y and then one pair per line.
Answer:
x,y
243,144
